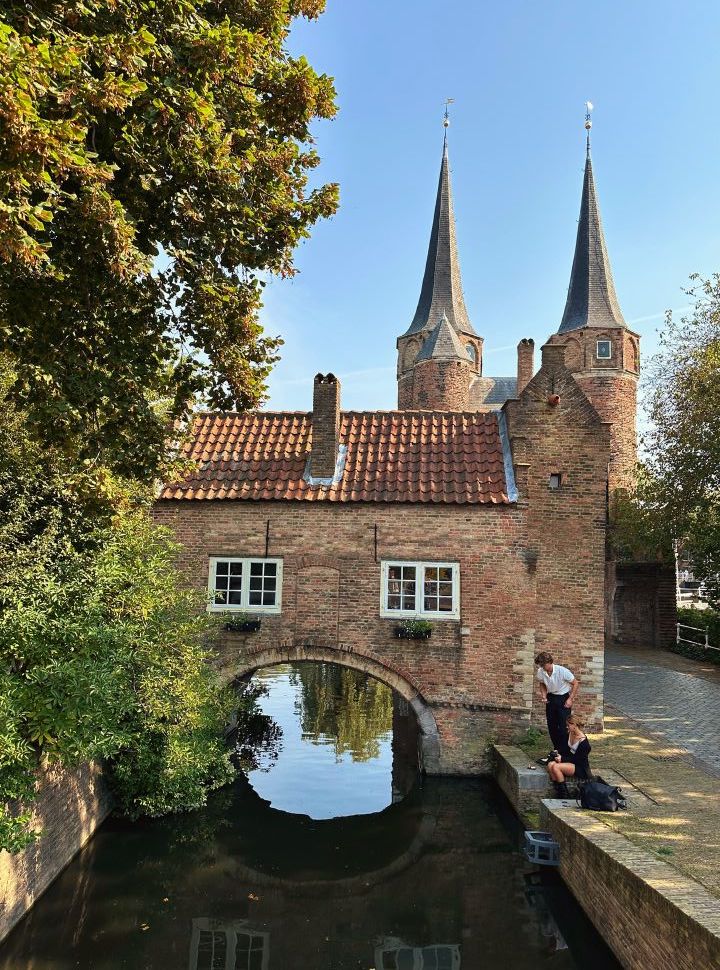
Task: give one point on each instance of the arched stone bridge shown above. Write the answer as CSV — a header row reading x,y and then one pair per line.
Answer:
x,y
249,660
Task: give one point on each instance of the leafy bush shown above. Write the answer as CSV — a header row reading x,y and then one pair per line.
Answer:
x,y
707,620
415,629
533,742
110,663
102,648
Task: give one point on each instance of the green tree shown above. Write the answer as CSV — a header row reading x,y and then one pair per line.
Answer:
x,y
101,645
134,134
682,491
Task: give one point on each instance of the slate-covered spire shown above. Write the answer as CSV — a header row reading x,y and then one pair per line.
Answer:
x,y
442,344
591,300
442,287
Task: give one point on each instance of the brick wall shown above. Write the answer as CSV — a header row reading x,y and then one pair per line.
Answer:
x,y
442,385
555,430
643,606
651,916
616,400
69,808
611,386
331,596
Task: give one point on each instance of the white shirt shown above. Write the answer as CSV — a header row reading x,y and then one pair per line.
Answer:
x,y
558,682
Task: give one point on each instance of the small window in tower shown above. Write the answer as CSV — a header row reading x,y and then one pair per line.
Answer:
x,y
555,480
471,351
604,349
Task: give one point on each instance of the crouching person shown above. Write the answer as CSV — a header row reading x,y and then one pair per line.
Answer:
x,y
575,763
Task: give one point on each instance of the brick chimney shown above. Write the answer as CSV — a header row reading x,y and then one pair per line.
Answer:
x,y
553,357
325,425
525,363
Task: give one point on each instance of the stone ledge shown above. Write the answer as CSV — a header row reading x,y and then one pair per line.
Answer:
x,y
523,786
652,916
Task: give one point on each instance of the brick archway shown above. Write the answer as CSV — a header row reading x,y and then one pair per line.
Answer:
x,y
250,661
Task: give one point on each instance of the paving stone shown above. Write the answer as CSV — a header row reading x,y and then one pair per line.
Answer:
x,y
681,706
661,737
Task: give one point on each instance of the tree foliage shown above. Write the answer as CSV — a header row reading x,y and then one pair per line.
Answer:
x,y
132,130
679,497
101,645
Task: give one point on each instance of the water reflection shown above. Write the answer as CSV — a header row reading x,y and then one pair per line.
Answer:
x,y
396,955
344,708
346,747
228,946
436,881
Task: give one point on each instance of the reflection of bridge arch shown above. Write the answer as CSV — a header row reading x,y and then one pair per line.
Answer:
x,y
252,660
346,886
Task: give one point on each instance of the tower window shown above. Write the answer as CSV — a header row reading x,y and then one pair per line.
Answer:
x,y
555,480
604,349
471,351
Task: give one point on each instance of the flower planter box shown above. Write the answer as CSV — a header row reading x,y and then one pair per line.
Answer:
x,y
402,634
243,626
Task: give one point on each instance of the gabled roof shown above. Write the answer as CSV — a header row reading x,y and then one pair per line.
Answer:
x,y
391,456
441,290
443,344
492,391
591,299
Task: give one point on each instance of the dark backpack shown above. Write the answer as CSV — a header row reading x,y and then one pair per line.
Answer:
x,y
597,796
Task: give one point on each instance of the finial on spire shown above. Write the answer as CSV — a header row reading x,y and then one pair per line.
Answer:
x,y
446,117
588,123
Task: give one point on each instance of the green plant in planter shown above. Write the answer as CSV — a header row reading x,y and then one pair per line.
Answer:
x,y
414,630
242,623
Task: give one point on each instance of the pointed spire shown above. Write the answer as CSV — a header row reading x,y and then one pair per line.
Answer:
x,y
591,299
443,343
441,286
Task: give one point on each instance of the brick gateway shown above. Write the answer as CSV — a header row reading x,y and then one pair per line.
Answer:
x,y
480,505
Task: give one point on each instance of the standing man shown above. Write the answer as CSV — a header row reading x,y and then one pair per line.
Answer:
x,y
558,687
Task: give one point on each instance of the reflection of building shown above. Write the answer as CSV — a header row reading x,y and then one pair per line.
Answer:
x,y
222,945
393,954
480,504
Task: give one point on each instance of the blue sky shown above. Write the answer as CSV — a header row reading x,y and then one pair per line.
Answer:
x,y
519,72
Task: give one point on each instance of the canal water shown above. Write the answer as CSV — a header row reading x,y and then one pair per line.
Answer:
x,y
331,853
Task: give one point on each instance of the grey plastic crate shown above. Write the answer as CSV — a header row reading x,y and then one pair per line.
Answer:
x,y
542,849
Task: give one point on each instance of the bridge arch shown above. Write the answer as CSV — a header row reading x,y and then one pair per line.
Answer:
x,y
252,661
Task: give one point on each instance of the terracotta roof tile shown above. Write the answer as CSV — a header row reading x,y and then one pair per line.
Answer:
x,y
392,456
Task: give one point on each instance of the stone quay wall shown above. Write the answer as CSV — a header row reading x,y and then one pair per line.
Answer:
x,y
652,916
70,806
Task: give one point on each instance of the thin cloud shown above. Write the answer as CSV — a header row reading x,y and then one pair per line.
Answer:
x,y
344,376
496,350
661,314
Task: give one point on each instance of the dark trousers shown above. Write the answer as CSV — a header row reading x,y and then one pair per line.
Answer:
x,y
557,715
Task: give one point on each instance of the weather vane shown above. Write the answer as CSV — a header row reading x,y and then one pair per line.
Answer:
x,y
588,122
446,119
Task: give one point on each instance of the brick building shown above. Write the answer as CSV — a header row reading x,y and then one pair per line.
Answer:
x,y
480,504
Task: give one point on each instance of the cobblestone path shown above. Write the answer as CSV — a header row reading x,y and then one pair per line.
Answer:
x,y
667,700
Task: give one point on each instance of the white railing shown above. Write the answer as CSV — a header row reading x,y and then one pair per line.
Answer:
x,y
704,642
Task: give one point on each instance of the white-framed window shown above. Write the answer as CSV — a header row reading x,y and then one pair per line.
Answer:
x,y
245,584
219,945
604,349
471,351
420,589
